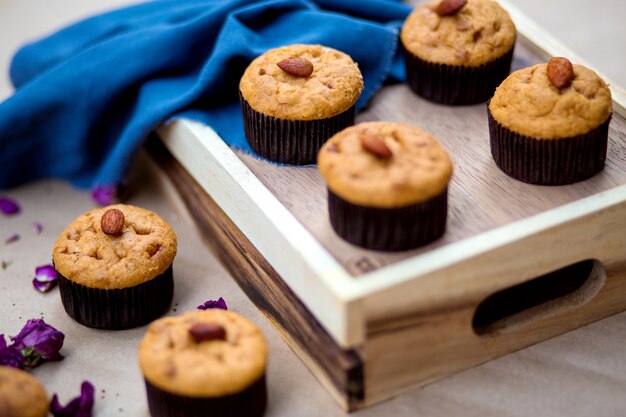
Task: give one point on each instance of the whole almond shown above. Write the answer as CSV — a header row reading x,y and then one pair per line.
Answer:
x,y
299,67
112,222
375,145
204,332
449,7
560,72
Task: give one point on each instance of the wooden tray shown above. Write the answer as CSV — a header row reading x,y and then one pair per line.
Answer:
x,y
517,265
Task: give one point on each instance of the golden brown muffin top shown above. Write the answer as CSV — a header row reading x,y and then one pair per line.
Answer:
x,y
84,254
21,395
528,104
172,360
417,169
479,32
332,88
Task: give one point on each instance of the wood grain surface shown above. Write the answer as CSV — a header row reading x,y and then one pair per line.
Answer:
x,y
481,198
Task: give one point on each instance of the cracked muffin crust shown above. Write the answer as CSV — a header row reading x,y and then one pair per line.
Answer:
x,y
204,363
479,32
527,103
172,360
332,88
84,254
418,169
21,395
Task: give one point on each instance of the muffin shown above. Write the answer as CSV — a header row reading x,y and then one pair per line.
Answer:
x,y
204,364
115,267
549,123
457,51
21,395
387,185
296,97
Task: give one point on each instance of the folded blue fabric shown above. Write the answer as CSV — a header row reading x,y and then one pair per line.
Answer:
x,y
87,96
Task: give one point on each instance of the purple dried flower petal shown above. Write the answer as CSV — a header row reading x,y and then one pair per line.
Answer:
x,y
221,304
10,356
9,206
39,341
44,286
45,278
13,238
3,342
104,195
37,228
81,406
45,273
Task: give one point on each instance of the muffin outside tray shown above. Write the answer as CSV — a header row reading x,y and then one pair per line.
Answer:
x,y
229,356
251,402
118,309
115,267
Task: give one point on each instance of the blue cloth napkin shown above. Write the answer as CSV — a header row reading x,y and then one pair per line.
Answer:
x,y
87,96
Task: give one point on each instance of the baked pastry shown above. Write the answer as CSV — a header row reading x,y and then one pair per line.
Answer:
x,y
115,267
387,185
21,395
204,364
296,97
458,51
549,123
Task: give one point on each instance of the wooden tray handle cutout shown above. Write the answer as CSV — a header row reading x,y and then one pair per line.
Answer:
x,y
554,292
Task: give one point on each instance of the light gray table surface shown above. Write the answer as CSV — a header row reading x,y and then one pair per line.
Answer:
x,y
582,373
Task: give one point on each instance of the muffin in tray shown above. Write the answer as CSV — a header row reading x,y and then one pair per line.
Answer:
x,y
387,185
204,364
296,97
549,123
115,267
21,395
457,51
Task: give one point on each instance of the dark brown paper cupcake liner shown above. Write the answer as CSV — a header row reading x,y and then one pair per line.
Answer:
x,y
548,162
455,84
389,229
118,309
250,402
290,141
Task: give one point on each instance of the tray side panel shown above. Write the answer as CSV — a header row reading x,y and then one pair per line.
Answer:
x,y
436,343
436,312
